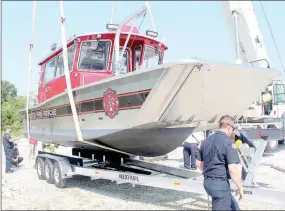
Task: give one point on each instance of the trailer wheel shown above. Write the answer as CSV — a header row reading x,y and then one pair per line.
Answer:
x,y
48,167
57,175
40,168
272,145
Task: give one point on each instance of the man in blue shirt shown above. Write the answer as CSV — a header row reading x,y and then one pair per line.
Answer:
x,y
217,156
8,149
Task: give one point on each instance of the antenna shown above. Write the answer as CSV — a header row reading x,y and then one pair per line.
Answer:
x,y
112,13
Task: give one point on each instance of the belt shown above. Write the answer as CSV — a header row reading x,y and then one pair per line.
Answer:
x,y
211,177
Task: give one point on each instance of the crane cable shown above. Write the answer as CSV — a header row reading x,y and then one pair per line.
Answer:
x,y
150,14
274,41
30,68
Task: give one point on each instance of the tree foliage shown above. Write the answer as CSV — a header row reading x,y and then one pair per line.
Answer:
x,y
8,91
11,106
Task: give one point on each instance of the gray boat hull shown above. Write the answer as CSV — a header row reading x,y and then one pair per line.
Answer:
x,y
156,110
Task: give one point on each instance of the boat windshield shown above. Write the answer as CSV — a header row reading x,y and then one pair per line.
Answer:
x,y
94,55
152,57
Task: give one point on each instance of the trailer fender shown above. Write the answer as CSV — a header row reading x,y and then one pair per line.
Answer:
x,y
65,166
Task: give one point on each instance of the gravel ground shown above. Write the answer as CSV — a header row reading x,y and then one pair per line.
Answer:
x,y
23,190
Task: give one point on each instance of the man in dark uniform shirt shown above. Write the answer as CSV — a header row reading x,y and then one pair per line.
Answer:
x,y
8,149
217,156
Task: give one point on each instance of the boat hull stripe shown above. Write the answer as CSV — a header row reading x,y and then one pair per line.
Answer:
x,y
127,101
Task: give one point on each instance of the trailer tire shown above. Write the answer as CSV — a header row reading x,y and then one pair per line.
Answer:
x,y
40,168
48,171
57,175
272,145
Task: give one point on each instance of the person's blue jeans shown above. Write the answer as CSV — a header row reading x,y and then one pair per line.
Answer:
x,y
190,150
234,204
8,156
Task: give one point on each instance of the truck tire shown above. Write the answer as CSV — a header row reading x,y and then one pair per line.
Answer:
x,y
272,145
48,168
57,175
40,168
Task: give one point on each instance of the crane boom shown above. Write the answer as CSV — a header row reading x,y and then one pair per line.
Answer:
x,y
245,32
250,50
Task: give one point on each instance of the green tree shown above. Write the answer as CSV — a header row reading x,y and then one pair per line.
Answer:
x,y
11,106
11,115
8,91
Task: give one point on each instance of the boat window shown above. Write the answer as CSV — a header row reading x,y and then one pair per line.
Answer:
x,y
60,66
152,57
138,52
124,62
49,70
71,53
94,55
279,93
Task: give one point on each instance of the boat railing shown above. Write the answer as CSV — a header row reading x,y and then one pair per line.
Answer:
x,y
117,66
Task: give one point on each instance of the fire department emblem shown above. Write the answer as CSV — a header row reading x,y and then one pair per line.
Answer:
x,y
110,103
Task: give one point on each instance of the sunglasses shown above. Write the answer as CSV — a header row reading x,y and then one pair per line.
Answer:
x,y
232,126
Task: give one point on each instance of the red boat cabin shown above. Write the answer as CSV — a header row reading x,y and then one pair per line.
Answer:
x,y
90,59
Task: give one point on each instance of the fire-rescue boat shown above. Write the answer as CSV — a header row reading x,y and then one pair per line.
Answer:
x,y
129,100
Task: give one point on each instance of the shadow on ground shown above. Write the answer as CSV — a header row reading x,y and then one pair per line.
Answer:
x,y
142,194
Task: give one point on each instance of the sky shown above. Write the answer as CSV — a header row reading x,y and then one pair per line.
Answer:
x,y
189,28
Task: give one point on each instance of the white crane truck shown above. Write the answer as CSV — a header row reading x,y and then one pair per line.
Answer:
x,y
267,112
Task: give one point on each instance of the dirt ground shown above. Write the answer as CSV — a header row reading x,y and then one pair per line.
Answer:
x,y
23,190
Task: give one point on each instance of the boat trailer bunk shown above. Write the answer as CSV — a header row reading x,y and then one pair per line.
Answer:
x,y
57,168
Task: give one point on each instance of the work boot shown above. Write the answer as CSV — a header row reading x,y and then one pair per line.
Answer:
x,y
9,171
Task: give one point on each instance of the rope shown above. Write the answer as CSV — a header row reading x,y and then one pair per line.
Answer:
x,y
67,75
272,36
69,89
30,68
